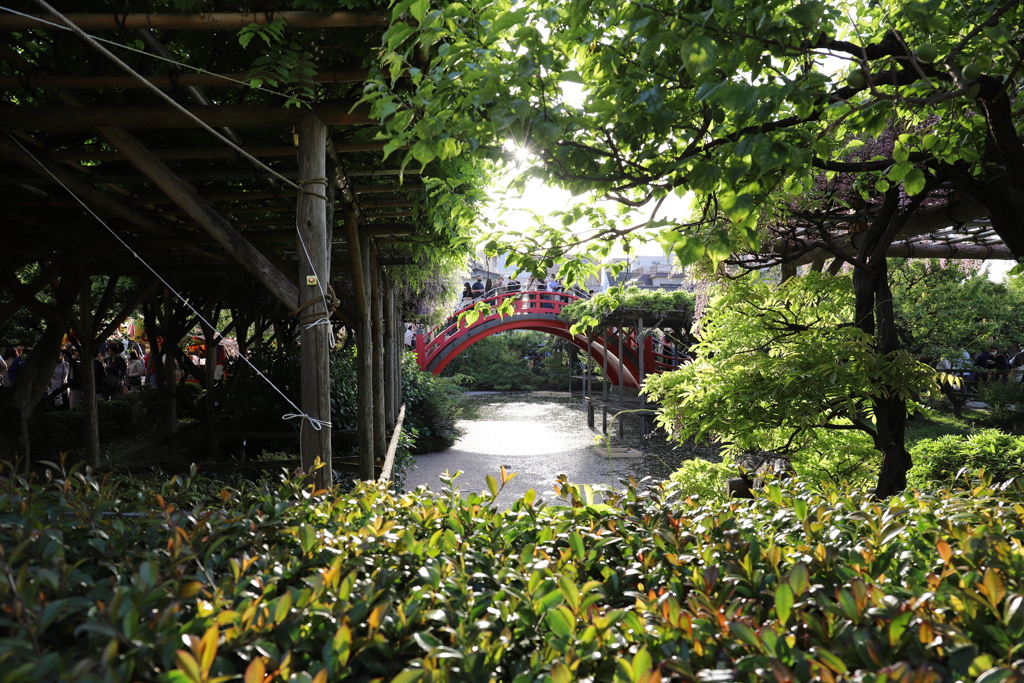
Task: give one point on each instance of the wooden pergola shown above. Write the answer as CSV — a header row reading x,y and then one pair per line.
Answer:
x,y
315,226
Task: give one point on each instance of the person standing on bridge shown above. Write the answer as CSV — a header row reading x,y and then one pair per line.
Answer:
x,y
478,287
499,286
467,295
552,283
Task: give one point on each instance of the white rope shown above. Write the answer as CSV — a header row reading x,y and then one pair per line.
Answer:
x,y
315,423
160,93
152,55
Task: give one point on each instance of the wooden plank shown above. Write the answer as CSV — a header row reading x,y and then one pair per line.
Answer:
x,y
389,459
56,119
90,195
165,80
212,222
219,153
313,263
369,189
207,21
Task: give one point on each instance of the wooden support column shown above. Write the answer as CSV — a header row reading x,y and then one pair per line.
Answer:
x,y
389,353
90,410
380,442
364,358
314,279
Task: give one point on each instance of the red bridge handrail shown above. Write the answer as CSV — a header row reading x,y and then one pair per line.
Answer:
x,y
546,303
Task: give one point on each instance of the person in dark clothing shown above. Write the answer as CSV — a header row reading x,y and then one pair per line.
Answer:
x,y
74,377
99,372
116,367
478,286
989,361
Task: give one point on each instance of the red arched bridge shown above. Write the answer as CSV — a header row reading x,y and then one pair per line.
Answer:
x,y
615,348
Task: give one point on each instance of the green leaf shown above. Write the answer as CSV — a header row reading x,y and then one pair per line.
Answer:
x,y
560,622
914,182
745,634
898,626
698,52
783,602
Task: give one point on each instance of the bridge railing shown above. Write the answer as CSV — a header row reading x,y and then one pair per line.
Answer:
x,y
543,302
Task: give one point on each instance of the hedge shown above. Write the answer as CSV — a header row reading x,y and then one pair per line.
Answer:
x,y
98,584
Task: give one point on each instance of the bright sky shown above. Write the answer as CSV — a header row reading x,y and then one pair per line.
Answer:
x,y
541,199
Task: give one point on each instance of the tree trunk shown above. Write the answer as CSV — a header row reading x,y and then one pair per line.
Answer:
x,y
27,393
875,316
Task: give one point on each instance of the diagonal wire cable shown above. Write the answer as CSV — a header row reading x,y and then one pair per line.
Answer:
x,y
142,79
315,423
160,93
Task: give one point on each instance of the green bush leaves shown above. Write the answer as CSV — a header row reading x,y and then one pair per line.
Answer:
x,y
370,585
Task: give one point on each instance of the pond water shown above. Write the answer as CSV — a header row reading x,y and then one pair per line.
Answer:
x,y
537,438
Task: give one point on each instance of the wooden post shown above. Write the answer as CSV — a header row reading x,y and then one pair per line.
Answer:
x,y
90,410
314,279
170,380
380,442
389,354
640,342
364,360
622,383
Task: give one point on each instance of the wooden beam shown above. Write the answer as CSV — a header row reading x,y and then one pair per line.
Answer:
x,y
930,219
114,21
388,214
55,119
364,358
213,223
314,261
951,251
165,81
217,153
368,189
89,194
227,197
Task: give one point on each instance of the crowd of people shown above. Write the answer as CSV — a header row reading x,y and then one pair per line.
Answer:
x,y
994,361
120,366
475,291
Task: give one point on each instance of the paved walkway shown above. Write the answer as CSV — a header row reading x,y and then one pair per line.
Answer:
x,y
538,440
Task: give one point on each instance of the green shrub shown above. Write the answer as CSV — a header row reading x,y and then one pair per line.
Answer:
x,y
1005,403
838,458
939,460
653,302
107,585
498,363
432,407
699,477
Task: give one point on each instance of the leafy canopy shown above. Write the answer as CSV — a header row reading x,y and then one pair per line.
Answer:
x,y
779,365
731,99
943,310
654,303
